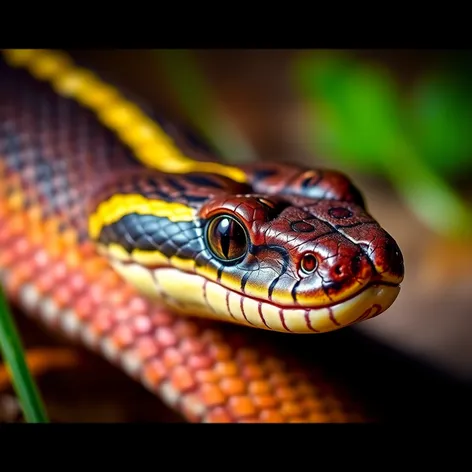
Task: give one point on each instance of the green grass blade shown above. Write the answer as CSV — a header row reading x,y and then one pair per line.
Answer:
x,y
12,353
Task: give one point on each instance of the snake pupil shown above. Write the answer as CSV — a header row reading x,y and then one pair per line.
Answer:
x,y
308,264
227,238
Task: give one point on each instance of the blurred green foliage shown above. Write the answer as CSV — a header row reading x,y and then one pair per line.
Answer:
x,y
359,118
441,119
419,140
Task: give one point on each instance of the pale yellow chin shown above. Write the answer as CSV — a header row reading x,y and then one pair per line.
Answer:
x,y
193,295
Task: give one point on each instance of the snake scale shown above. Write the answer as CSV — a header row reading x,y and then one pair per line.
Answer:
x,y
122,231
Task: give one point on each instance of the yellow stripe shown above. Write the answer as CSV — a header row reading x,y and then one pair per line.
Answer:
x,y
110,211
148,141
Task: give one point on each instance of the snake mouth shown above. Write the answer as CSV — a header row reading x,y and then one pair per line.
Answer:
x,y
192,294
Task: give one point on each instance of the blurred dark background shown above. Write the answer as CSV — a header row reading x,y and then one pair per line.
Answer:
x,y
398,122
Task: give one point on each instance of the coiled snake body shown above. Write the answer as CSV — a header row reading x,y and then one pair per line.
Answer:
x,y
115,226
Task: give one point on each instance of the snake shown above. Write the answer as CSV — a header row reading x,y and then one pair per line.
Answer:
x,y
126,233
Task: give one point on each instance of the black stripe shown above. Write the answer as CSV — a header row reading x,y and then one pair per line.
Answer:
x,y
294,290
244,280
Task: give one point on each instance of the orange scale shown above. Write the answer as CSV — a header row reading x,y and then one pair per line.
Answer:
x,y
226,369
259,387
285,393
54,246
63,296
4,234
7,235
154,372
87,248
85,307
35,235
290,409
93,266
69,237
265,401
241,406
17,224
166,337
172,357
146,348
7,258
218,415
34,214
211,395
199,361
271,416
102,321
16,200
207,376
24,266
122,336
182,380
118,297
233,386
17,279
111,280
220,351
73,258
252,372
45,283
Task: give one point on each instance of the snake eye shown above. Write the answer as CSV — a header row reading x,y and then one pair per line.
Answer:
x,y
227,238
308,264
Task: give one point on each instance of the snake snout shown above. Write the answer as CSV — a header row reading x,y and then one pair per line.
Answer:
x,y
387,259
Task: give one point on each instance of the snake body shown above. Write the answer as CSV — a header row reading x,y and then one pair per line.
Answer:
x,y
123,232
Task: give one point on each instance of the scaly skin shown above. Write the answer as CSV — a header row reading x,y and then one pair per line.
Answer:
x,y
56,158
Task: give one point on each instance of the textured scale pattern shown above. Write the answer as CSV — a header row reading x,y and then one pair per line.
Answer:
x,y
52,154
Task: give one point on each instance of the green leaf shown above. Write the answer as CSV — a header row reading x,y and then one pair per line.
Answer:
x,y
357,108
441,112
12,351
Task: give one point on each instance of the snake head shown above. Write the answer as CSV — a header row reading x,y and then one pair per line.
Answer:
x,y
300,265
282,262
